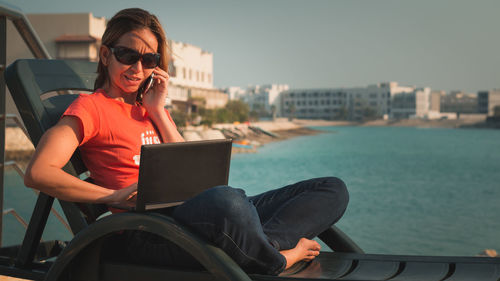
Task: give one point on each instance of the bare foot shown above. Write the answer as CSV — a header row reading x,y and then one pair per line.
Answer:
x,y
304,250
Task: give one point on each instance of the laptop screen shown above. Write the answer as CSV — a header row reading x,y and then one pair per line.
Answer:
x,y
172,173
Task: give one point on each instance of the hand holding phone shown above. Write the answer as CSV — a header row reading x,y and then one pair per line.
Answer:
x,y
144,88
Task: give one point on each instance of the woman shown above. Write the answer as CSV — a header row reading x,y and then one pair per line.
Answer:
x,y
266,233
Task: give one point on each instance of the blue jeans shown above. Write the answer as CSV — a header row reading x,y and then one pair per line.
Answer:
x,y
252,229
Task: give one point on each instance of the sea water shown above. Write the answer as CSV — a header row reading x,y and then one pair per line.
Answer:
x,y
412,190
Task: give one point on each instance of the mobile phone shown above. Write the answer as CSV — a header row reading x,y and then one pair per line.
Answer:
x,y
144,88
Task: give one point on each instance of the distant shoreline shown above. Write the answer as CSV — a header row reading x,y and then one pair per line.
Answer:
x,y
421,123
19,148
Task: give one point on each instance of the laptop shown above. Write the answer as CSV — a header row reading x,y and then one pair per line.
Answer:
x,y
171,173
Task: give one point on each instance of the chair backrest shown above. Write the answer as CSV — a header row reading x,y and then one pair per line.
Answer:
x,y
32,84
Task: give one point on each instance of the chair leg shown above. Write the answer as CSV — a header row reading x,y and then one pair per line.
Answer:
x,y
35,230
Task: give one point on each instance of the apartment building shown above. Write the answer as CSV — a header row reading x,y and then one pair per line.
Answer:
x,y
264,99
77,36
235,93
436,100
342,103
374,100
65,36
191,78
328,104
416,104
191,66
459,102
487,101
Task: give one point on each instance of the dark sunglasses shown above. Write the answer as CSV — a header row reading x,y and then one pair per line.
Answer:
x,y
128,56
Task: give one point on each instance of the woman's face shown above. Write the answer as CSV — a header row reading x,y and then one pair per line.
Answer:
x,y
126,79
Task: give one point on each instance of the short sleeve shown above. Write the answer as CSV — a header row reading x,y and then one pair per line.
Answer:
x,y
85,110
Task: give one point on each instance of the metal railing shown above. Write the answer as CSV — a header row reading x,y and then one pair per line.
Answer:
x,y
16,215
20,172
28,34
24,29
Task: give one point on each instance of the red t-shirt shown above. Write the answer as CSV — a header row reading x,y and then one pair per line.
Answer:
x,y
113,132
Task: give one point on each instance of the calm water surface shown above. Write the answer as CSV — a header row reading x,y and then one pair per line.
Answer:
x,y
413,191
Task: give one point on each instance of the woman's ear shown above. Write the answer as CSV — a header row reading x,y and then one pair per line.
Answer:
x,y
104,55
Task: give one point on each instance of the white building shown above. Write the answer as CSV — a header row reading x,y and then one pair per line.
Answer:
x,y
78,36
357,103
272,94
261,98
192,66
374,98
416,104
235,93
191,81
314,104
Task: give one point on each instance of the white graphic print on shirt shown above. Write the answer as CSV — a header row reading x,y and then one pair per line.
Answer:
x,y
148,137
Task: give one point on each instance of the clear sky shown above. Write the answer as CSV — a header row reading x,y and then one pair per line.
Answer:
x,y
445,44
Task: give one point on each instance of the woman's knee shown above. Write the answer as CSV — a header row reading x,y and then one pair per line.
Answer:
x,y
210,204
228,201
223,195
337,187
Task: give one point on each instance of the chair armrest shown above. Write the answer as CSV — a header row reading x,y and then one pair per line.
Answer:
x,y
212,258
338,241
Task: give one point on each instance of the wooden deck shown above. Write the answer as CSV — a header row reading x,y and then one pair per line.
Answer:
x,y
7,278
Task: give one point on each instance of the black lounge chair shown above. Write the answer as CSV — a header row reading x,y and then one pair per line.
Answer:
x,y
82,258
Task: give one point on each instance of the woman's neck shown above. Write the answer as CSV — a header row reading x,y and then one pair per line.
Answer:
x,y
119,95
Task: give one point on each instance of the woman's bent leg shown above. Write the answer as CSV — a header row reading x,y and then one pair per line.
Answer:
x,y
304,209
225,217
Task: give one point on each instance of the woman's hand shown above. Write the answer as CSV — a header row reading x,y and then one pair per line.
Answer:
x,y
128,193
154,99
154,102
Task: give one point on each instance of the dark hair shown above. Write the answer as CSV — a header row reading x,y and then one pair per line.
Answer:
x,y
128,20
